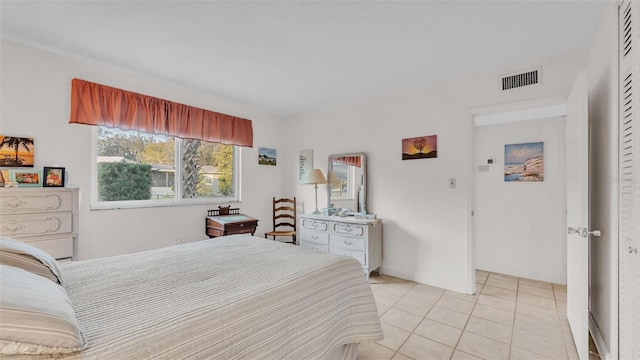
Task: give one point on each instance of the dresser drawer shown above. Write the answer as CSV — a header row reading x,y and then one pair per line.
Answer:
x,y
314,225
345,229
314,236
36,224
58,248
358,255
349,243
310,245
27,202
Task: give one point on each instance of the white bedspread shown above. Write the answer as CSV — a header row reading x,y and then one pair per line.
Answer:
x,y
235,297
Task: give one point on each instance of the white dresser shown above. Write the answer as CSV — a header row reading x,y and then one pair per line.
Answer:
x,y
44,217
358,238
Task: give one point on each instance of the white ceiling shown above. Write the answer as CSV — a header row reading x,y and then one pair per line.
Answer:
x,y
292,57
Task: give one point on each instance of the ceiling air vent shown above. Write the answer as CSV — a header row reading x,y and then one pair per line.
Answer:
x,y
522,79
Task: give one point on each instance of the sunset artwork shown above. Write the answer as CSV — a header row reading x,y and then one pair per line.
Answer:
x,y
524,162
16,151
421,147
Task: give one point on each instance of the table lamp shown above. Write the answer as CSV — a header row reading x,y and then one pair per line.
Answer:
x,y
315,177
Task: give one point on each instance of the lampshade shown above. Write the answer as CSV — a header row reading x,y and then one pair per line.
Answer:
x,y
332,178
315,177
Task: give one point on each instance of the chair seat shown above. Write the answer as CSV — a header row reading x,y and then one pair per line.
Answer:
x,y
281,233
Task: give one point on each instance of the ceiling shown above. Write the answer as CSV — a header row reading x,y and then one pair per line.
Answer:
x,y
292,57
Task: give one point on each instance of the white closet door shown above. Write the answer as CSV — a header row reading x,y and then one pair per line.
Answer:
x,y
629,180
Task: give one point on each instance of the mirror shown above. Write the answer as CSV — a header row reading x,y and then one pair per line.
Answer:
x,y
347,183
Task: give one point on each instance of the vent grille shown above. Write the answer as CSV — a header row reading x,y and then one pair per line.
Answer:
x,y
626,31
520,80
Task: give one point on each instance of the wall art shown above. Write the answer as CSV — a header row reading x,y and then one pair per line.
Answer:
x,y
421,147
524,162
16,151
267,156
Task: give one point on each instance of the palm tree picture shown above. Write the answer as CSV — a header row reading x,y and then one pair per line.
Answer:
x,y
16,151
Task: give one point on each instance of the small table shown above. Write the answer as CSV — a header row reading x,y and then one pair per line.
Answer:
x,y
230,224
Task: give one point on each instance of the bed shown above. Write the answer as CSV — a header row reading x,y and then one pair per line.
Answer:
x,y
232,297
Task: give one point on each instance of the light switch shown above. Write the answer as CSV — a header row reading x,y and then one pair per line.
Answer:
x,y
452,183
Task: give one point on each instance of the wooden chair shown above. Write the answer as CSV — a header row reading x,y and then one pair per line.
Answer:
x,y
284,215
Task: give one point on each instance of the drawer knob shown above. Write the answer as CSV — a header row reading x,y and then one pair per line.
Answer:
x,y
348,243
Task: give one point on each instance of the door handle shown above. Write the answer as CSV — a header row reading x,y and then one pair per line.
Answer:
x,y
572,230
586,233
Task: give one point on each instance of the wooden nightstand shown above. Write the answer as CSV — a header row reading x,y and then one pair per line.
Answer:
x,y
227,221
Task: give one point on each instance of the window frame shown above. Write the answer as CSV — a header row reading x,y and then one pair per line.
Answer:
x,y
178,200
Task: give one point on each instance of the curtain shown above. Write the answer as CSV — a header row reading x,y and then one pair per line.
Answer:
x,y
349,160
101,105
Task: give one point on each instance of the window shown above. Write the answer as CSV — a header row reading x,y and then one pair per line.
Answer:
x,y
135,168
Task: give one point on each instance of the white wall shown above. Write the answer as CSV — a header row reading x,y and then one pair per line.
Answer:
x,y
34,99
425,224
603,208
520,227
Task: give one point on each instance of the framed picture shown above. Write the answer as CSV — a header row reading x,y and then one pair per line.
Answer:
x,y
524,162
16,151
53,176
26,178
421,147
267,156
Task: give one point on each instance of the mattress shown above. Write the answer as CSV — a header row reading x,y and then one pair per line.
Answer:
x,y
232,297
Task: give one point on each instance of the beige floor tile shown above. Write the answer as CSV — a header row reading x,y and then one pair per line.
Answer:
x,y
483,347
503,277
439,332
479,287
559,288
374,286
459,355
419,347
561,306
537,312
489,329
537,283
520,354
461,296
393,336
543,345
382,308
544,302
421,288
534,290
542,328
499,292
399,356
373,351
498,303
415,305
386,298
560,296
458,305
493,314
401,319
481,276
448,317
503,284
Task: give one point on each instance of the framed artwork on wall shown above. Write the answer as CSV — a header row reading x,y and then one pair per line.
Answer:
x,y
267,156
305,161
53,177
524,162
421,147
16,151
26,178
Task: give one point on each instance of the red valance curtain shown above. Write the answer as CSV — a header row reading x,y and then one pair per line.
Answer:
x,y
100,105
349,160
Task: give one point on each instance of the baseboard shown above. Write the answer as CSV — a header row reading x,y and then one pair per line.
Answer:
x,y
423,279
598,340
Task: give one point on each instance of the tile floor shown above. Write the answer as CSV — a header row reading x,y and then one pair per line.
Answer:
x,y
508,318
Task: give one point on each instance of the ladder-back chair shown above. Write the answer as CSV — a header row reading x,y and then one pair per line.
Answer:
x,y
284,219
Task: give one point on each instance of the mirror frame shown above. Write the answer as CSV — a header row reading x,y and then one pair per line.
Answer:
x,y
362,203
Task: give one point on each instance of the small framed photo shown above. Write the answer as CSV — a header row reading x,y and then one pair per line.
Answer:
x,y
26,178
53,176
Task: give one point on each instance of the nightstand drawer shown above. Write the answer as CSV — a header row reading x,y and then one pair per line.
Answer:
x,y
310,245
353,243
358,255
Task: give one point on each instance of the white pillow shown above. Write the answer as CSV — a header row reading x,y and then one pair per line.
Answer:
x,y
30,258
37,315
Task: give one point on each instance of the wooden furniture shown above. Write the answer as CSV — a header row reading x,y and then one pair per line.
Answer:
x,y
284,215
358,238
227,221
43,217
